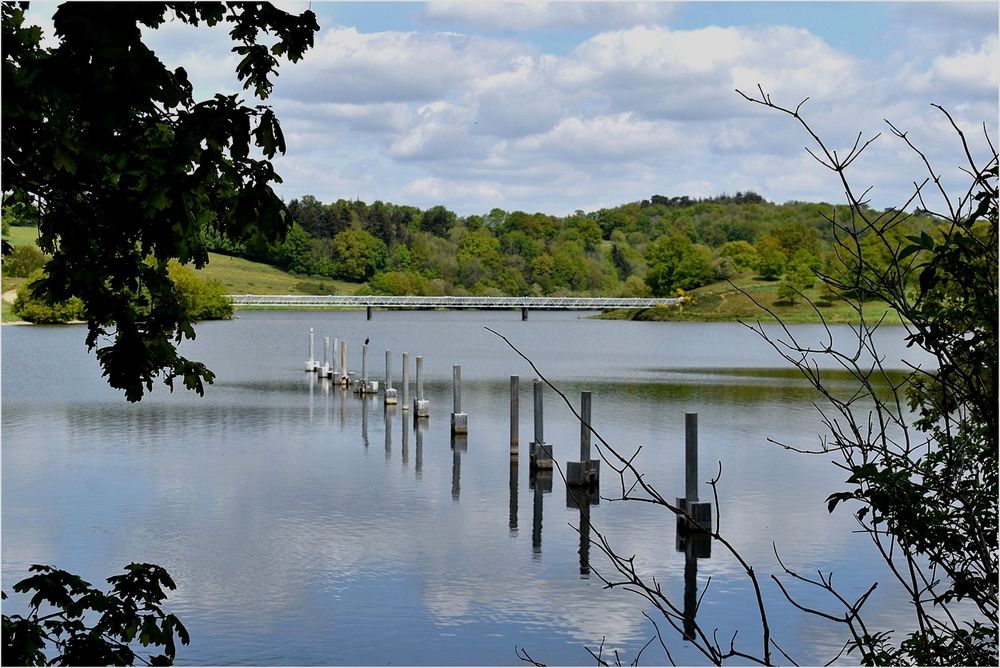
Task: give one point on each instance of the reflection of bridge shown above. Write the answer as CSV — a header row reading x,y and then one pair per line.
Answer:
x,y
582,303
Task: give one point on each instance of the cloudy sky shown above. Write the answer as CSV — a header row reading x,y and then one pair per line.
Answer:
x,y
558,106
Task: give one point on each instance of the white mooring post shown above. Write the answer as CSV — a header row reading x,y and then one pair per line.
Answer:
x,y
515,401
459,420
365,386
541,452
334,367
587,470
421,406
698,512
345,378
390,391
311,362
406,381
324,370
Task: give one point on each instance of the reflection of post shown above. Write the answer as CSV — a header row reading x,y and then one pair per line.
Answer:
x,y
406,381
536,520
513,497
690,590
419,465
405,440
582,498
541,482
456,466
390,411
364,420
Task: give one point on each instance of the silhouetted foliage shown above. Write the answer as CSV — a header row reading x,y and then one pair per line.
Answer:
x,y
84,626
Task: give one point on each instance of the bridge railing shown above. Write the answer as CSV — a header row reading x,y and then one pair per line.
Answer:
x,y
585,303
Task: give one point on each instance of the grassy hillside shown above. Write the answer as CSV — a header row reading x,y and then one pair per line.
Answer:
x,y
245,277
724,302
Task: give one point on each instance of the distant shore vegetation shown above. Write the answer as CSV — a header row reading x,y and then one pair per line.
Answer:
x,y
655,247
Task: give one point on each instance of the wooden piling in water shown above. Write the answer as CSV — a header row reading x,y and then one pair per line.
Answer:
x,y
586,471
541,452
406,381
698,512
459,420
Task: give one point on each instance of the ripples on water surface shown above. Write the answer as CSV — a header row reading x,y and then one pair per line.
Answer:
x,y
304,525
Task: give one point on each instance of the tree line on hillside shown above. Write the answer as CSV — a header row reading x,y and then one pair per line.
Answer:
x,y
652,247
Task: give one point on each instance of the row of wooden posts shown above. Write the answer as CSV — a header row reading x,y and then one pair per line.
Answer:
x,y
582,473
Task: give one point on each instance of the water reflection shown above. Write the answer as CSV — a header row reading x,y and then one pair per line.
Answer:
x,y
364,420
389,413
540,481
459,444
694,545
421,427
583,498
237,496
512,486
405,439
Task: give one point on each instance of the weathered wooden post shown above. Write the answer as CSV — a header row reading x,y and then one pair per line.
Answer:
x,y
587,471
311,364
541,452
515,409
390,391
421,406
459,420
699,513
406,381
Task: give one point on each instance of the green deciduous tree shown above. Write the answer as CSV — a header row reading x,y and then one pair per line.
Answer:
x,y
124,164
357,255
22,260
31,306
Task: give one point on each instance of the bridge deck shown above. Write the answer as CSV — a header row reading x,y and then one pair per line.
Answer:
x,y
583,303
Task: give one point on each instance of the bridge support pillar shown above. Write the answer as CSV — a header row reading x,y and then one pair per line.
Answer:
x,y
369,312
524,313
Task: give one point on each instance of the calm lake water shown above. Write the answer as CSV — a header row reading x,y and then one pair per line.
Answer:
x,y
307,526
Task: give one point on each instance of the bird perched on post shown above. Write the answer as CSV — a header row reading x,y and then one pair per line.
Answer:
x,y
366,340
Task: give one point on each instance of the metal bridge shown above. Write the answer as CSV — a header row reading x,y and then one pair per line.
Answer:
x,y
380,301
